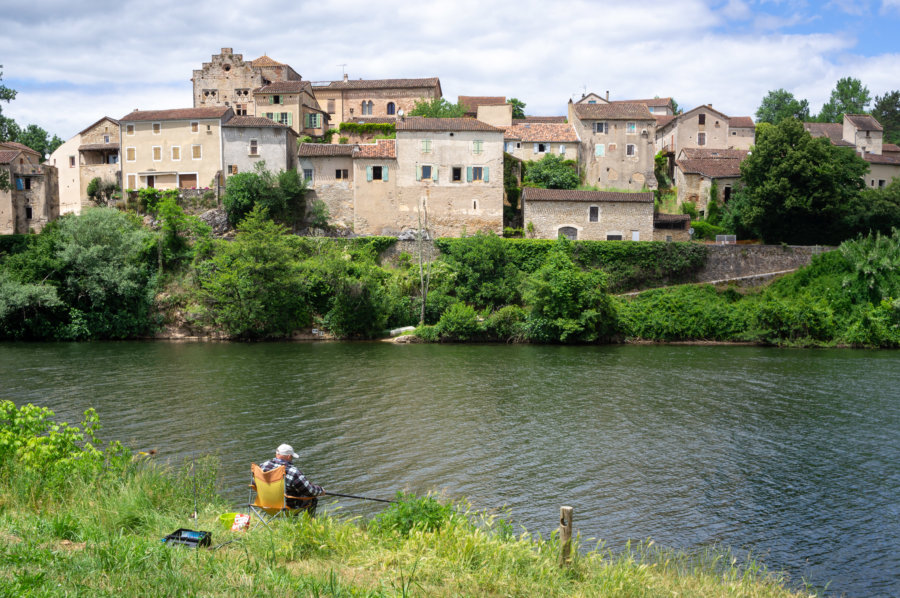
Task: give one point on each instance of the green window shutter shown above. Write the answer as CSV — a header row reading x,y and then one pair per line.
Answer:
x,y
368,173
290,118
418,173
307,124
468,174
487,174
271,100
384,173
434,174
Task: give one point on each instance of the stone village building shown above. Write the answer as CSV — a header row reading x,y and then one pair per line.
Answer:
x,y
32,197
704,127
450,167
529,141
588,215
348,99
697,168
92,153
248,141
866,135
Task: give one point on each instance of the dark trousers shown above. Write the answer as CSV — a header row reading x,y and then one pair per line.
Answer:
x,y
308,505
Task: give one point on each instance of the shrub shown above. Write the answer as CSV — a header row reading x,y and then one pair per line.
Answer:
x,y
458,323
411,512
507,323
429,334
705,230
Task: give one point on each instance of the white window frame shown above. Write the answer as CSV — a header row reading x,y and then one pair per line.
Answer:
x,y
631,128
153,128
308,178
153,150
172,153
562,148
106,139
630,147
133,154
601,127
197,145
250,147
599,150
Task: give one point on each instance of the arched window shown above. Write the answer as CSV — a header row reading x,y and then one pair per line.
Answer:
x,y
569,232
363,108
371,105
391,108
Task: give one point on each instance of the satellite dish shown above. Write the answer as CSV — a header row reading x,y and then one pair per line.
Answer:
x,y
400,113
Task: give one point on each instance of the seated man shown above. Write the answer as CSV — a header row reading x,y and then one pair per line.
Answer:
x,y
295,483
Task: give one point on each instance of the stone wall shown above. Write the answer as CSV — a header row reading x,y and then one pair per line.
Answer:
x,y
615,218
734,261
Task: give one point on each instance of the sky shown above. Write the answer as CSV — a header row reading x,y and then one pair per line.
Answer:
x,y
74,62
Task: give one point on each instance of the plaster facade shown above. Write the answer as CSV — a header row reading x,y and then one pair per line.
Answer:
x,y
248,141
349,99
93,152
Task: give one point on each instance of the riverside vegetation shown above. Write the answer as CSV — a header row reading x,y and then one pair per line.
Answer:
x,y
84,517
104,275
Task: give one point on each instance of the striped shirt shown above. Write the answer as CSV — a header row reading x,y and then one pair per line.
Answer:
x,y
295,483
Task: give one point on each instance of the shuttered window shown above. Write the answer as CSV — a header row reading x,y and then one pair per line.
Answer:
x,y
197,152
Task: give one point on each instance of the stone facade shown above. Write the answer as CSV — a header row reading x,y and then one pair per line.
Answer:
x,y
33,198
734,261
532,140
350,99
588,215
93,152
702,127
865,134
696,169
616,144
250,140
332,180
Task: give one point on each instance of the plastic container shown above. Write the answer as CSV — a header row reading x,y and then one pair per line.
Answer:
x,y
189,538
227,520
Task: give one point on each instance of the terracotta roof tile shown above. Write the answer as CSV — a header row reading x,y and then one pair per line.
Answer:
x,y
325,149
714,168
664,119
670,218
419,123
741,122
96,147
890,147
543,132
20,146
383,148
8,155
536,194
864,122
539,119
177,114
377,120
253,121
833,131
471,103
655,102
379,83
881,159
285,87
265,61
612,112
698,153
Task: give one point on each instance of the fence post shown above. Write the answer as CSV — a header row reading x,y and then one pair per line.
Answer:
x,y
565,535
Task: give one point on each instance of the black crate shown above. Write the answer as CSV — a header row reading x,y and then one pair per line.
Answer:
x,y
189,538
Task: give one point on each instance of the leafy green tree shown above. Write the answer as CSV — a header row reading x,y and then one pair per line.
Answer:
x,y
180,233
252,286
518,107
552,172
280,195
101,192
849,96
8,128
875,261
780,104
675,107
797,188
38,139
887,112
437,108
875,210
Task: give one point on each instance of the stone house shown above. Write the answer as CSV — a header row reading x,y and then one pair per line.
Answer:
x,y
866,135
29,197
329,171
702,127
671,227
593,98
92,153
229,80
173,149
588,215
250,140
616,144
696,169
291,103
533,140
348,99
741,132
492,110
656,106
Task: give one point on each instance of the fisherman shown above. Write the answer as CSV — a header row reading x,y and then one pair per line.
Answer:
x,y
295,483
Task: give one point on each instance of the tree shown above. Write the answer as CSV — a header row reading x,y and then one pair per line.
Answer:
x,y
552,172
887,112
101,192
8,127
518,107
797,188
437,108
280,195
780,104
849,96
674,106
39,140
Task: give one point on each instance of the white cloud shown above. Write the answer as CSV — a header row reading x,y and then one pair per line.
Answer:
x,y
890,5
113,57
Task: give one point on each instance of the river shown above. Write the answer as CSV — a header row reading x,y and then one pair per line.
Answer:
x,y
793,455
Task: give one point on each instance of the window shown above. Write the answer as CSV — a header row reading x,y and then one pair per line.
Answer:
x,y
456,174
562,149
540,148
28,213
600,150
176,152
195,127
275,100
425,172
635,235
477,146
734,132
130,154
331,106
129,129
376,173
426,146
232,169
157,128
601,127
106,139
20,184
307,174
592,101
594,214
71,161
477,173
569,232
240,109
631,149
132,181
253,150
613,237
196,152
341,173
27,183
701,120
612,147
157,153
880,183
367,107
391,108
630,128
313,121
727,194
701,138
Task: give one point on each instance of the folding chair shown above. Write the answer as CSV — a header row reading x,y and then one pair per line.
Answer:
x,y
270,501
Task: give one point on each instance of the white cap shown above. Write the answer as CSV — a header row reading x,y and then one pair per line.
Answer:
x,y
286,449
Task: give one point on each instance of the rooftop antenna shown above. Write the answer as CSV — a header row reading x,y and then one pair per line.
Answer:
x,y
343,69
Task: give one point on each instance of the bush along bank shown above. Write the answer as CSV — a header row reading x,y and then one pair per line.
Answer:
x,y
80,517
104,275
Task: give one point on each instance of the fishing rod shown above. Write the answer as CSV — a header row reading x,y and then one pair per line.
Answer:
x,y
357,497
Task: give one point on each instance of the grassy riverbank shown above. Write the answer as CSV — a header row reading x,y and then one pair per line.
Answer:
x,y
83,518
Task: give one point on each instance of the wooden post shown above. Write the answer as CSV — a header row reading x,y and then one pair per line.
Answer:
x,y
565,535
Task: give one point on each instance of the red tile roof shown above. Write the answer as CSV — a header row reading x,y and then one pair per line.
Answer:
x,y
536,194
890,147
864,122
670,218
419,123
697,153
833,131
177,114
19,146
8,155
309,150
714,168
471,103
383,148
380,83
612,112
664,119
285,87
543,132
655,102
253,121
378,120
265,61
741,122
881,159
96,147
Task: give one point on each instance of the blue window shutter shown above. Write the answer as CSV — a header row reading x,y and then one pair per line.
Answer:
x,y
468,174
418,173
384,173
368,173
20,185
487,174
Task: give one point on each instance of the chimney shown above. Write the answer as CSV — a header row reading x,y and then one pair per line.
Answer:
x,y
346,78
607,95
